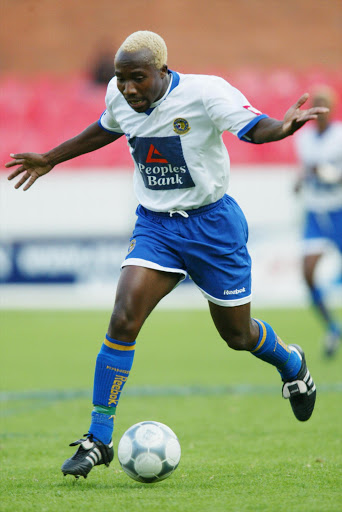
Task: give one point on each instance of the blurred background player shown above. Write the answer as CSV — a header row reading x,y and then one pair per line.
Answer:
x,y
102,70
319,149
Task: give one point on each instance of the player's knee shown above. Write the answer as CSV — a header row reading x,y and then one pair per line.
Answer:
x,y
123,325
309,267
238,340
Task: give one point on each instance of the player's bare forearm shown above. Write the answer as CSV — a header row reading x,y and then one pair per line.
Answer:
x,y
267,130
92,138
35,165
270,130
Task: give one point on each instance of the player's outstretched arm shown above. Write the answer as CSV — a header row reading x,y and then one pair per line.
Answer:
x,y
269,130
35,165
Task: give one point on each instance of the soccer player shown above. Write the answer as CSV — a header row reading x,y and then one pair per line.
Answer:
x,y
319,149
186,224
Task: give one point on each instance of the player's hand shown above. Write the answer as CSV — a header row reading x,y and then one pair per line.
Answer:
x,y
33,165
295,118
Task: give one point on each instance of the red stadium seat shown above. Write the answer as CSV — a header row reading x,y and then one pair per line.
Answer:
x,y
41,112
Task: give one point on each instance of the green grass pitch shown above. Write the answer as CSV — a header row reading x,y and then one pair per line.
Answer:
x,y
242,448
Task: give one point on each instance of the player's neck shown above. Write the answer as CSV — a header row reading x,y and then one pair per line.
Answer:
x,y
322,127
168,78
165,87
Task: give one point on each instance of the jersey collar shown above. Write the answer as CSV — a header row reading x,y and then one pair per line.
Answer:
x,y
174,81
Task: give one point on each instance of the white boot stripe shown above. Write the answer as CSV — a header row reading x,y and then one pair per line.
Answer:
x,y
93,456
98,453
90,460
307,375
311,390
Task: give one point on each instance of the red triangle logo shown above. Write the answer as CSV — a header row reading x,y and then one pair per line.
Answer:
x,y
152,156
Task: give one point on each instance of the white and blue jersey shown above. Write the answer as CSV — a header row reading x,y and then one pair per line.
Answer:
x,y
180,159
315,151
186,222
321,157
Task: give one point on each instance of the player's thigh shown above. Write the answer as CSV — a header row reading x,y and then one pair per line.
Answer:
x,y
216,254
138,292
235,325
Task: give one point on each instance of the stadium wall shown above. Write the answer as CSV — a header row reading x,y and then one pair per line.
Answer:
x,y
67,36
62,242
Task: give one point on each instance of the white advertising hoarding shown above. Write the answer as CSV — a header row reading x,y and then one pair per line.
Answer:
x,y
62,242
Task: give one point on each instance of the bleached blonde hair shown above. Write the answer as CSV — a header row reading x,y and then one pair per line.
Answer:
x,y
145,39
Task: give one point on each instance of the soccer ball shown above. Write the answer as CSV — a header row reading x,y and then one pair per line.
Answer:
x,y
149,452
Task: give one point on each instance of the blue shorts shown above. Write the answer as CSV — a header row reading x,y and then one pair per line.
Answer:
x,y
321,229
209,245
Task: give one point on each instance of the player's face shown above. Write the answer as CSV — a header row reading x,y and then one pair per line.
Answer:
x,y
141,84
320,101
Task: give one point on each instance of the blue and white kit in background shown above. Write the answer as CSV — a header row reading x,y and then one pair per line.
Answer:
x,y
321,157
186,222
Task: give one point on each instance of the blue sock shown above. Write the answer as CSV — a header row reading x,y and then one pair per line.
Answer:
x,y
316,295
272,349
113,365
318,301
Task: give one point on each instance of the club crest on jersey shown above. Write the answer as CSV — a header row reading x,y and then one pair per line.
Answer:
x,y
132,244
181,126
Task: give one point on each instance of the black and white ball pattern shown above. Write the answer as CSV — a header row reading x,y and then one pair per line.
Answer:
x,y
149,451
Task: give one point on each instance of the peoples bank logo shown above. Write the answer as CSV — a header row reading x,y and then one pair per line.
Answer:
x,y
154,156
161,162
